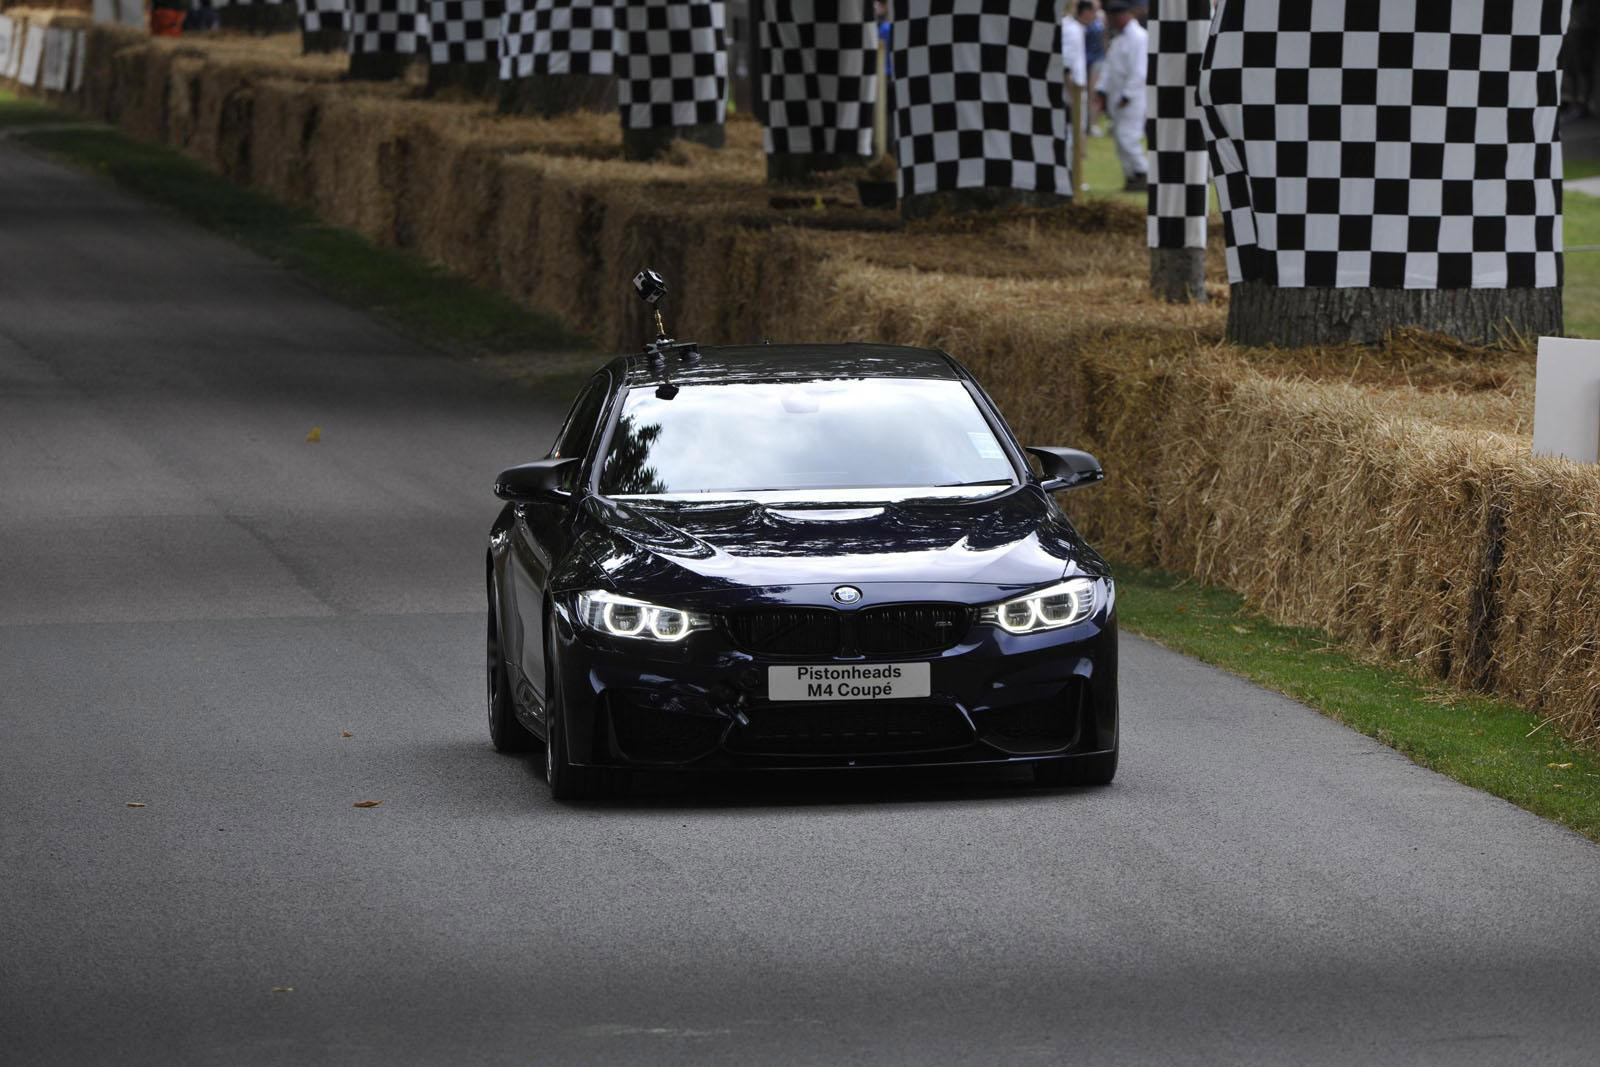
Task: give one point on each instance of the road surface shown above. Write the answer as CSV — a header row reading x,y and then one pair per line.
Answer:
x,y
196,604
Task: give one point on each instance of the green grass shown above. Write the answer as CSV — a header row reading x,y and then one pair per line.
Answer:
x,y
18,111
1103,172
420,298
1574,168
1582,296
1485,743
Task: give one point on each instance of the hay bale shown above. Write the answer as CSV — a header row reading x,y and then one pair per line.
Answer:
x,y
285,120
1546,637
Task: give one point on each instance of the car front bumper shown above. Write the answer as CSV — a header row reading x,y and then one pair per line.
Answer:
x,y
702,704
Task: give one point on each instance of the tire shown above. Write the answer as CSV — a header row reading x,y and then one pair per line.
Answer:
x,y
1098,769
507,734
566,781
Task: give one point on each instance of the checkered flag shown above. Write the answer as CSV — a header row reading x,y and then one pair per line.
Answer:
x,y
820,82
317,16
559,37
463,31
1388,145
978,96
1175,128
674,64
388,27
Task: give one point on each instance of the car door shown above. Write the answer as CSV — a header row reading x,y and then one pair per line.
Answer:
x,y
542,533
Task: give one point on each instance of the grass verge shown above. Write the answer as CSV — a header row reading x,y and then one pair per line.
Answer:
x,y
1483,742
418,297
1581,227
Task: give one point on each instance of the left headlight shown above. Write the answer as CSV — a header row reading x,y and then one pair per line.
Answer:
x,y
1066,604
620,616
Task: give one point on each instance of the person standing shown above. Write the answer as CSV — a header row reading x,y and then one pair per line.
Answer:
x,y
1094,53
1075,69
1122,92
1074,46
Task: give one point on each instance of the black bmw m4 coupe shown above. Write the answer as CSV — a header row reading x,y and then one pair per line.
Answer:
x,y
796,556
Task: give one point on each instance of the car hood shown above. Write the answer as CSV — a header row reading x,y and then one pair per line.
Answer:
x,y
971,548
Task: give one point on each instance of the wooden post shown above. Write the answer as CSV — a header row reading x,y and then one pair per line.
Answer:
x,y
880,111
1078,96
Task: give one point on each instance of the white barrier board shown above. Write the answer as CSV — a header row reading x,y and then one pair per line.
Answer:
x,y
131,13
80,46
7,40
105,10
57,59
13,63
1566,399
32,56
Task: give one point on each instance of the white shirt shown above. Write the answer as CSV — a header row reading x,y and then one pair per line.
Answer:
x,y
1126,63
1074,57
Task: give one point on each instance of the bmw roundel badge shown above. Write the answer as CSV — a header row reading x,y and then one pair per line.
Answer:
x,y
847,594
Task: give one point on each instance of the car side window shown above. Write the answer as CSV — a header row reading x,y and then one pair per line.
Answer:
x,y
578,433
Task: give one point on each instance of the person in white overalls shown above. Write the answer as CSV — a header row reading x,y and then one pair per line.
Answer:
x,y
1122,90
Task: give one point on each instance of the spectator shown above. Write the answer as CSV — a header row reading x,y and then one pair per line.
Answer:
x,y
202,16
1122,92
1094,52
166,17
1074,55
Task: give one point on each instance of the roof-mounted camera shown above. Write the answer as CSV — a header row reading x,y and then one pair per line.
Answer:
x,y
652,287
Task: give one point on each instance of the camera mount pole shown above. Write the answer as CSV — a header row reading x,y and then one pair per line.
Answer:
x,y
651,287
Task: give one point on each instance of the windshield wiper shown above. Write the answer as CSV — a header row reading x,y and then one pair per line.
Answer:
x,y
963,485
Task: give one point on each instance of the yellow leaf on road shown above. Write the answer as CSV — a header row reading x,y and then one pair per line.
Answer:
x,y
315,435
135,804
366,803
283,989
346,733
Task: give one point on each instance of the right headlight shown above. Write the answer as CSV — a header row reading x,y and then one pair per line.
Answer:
x,y
1065,604
622,616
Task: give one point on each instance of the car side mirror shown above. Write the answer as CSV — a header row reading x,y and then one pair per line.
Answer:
x,y
540,480
1067,468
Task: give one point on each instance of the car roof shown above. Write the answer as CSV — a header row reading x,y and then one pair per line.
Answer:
x,y
734,363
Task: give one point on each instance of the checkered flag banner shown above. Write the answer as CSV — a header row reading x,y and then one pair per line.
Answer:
x,y
1175,129
820,82
464,31
388,27
978,96
674,63
559,37
1395,145
319,15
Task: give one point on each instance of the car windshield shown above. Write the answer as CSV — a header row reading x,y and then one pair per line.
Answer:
x,y
802,435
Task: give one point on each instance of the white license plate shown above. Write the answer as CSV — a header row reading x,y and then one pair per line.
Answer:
x,y
865,681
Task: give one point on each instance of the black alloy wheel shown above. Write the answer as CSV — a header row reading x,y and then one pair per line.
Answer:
x,y
508,734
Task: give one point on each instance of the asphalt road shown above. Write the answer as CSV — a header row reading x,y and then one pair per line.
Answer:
x,y
195,602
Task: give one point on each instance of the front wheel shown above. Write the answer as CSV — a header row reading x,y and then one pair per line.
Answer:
x,y
1098,769
507,734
